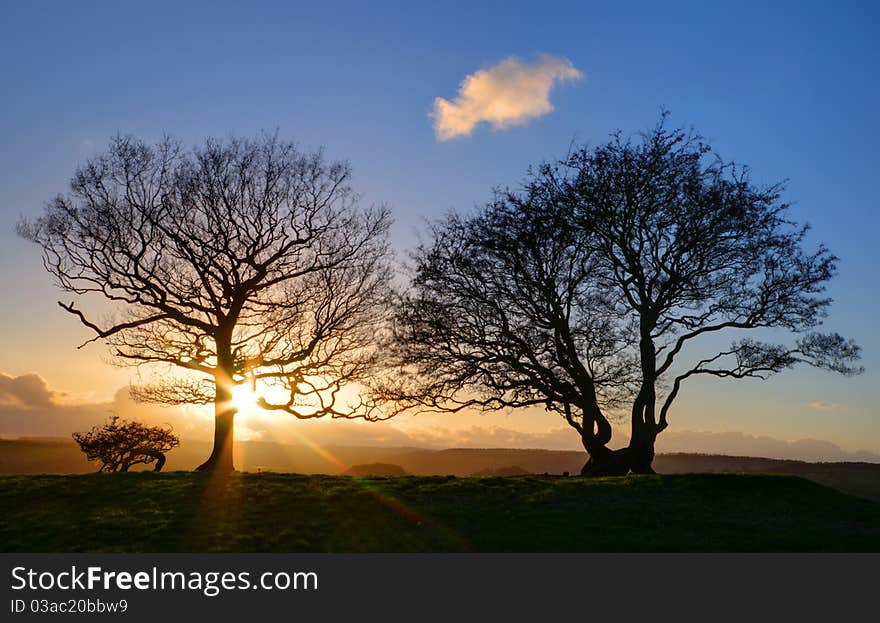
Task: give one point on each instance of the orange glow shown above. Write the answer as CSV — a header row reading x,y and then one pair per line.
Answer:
x,y
244,399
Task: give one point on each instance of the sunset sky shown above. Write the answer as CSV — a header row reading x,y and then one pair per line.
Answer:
x,y
434,106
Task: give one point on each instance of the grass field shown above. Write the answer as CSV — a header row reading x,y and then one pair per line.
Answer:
x,y
184,511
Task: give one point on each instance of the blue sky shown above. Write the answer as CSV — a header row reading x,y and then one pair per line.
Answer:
x,y
788,89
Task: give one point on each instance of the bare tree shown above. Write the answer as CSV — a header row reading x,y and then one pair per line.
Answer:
x,y
119,444
688,246
590,286
504,312
241,261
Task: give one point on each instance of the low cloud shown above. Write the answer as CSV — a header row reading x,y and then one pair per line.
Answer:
x,y
508,94
560,438
741,444
28,391
30,407
823,406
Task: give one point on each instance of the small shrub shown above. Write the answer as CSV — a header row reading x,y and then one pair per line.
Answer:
x,y
120,443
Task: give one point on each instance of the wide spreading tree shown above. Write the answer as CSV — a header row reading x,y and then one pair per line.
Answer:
x,y
628,252
240,261
689,246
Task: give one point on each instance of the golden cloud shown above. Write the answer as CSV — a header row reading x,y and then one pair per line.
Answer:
x,y
823,406
508,94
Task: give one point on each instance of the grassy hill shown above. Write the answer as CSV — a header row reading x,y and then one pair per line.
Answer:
x,y
54,455
178,511
855,478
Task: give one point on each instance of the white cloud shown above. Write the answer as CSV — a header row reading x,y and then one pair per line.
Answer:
x,y
505,95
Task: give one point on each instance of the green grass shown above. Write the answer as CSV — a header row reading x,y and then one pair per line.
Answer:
x,y
182,511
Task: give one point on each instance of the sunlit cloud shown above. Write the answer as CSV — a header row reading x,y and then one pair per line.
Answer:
x,y
508,94
28,391
824,406
29,406
734,443
557,438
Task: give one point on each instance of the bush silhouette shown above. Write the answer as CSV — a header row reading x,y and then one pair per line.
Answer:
x,y
120,443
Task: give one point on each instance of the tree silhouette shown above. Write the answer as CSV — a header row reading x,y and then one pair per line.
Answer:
x,y
688,246
241,261
119,444
590,285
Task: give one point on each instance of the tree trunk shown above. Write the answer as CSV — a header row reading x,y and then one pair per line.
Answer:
x,y
606,462
636,458
224,410
641,451
595,437
221,456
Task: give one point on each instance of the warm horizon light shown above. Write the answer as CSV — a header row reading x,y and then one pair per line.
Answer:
x,y
244,398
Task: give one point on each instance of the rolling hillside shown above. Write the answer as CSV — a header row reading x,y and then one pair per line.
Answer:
x,y
186,511
58,455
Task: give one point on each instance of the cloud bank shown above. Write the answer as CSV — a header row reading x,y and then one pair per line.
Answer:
x,y
508,94
28,391
30,407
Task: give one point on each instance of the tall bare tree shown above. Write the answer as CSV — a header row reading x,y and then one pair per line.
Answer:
x,y
690,247
241,261
598,280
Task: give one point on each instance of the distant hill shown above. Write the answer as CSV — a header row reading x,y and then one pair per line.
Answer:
x,y
468,461
855,478
375,469
512,470
59,455
42,455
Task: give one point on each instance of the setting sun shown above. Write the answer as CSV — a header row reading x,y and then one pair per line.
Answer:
x,y
244,399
